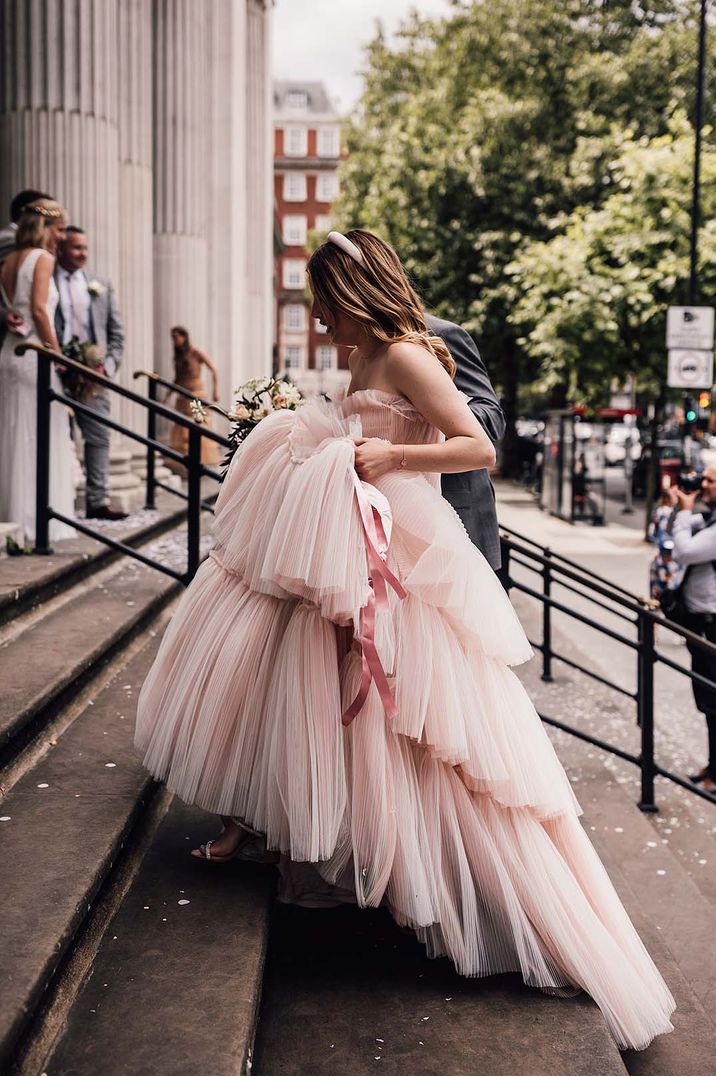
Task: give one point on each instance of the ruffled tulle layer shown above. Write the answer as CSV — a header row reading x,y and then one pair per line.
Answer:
x,y
455,812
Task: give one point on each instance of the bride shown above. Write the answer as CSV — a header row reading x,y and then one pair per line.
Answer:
x,y
337,677
26,278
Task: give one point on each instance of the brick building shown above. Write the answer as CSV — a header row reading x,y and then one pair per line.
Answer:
x,y
307,152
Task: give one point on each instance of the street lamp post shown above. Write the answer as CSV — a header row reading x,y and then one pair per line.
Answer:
x,y
698,120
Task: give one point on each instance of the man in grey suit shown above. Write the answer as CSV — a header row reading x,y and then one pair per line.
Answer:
x,y
471,493
88,310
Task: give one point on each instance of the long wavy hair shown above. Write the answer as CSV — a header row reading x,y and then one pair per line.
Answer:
x,y
378,294
34,222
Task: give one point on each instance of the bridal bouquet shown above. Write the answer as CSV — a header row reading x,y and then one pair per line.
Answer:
x,y
84,351
254,401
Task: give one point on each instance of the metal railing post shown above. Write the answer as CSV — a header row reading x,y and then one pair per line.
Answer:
x,y
547,618
42,462
193,503
149,501
645,710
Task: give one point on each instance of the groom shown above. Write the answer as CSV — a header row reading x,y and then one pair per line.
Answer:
x,y
471,493
88,310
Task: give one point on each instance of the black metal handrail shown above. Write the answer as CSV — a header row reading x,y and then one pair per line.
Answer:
x,y
191,460
556,570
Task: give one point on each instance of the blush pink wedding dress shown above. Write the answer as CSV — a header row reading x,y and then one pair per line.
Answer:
x,y
338,677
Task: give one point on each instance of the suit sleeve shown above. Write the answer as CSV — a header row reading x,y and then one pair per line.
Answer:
x,y
472,379
115,335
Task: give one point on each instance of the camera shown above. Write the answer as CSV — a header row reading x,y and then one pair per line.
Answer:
x,y
688,482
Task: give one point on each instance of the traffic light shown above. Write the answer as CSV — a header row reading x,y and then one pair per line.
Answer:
x,y
702,422
689,410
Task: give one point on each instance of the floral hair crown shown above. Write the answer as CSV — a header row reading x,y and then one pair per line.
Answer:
x,y
348,245
43,211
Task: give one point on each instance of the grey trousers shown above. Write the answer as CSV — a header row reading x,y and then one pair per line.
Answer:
x,y
96,439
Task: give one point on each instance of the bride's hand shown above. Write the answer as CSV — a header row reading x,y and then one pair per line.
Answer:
x,y
374,457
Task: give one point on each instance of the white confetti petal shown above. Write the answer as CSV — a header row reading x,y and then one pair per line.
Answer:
x,y
43,785
110,765
5,818
661,872
185,901
618,829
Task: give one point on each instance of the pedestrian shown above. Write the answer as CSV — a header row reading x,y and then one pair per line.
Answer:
x,y
695,549
188,363
471,493
664,570
10,320
87,311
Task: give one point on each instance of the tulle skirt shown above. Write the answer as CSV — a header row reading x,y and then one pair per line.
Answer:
x,y
452,809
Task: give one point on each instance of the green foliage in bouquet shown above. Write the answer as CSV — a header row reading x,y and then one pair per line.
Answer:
x,y
90,355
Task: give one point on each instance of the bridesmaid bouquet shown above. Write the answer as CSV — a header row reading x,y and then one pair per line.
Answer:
x,y
90,355
254,401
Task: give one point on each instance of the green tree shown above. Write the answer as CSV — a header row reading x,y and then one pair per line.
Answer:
x,y
590,303
482,133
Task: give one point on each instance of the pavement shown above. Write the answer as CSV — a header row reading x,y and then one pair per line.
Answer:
x,y
618,553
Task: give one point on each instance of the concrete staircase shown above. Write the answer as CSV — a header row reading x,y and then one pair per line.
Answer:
x,y
123,955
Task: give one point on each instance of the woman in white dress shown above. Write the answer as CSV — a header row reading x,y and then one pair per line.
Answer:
x,y
26,277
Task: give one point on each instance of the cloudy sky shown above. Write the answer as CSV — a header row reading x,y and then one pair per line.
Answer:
x,y
323,39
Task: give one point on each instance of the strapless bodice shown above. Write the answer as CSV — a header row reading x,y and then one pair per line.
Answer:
x,y
387,415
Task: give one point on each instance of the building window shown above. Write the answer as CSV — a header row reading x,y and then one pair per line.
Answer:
x,y
294,273
295,141
318,327
294,187
294,231
323,223
294,318
294,356
326,187
297,100
326,357
329,143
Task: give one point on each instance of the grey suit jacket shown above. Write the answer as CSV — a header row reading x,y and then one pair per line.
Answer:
x,y
106,329
471,493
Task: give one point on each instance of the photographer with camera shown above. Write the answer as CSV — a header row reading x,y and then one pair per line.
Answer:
x,y
694,537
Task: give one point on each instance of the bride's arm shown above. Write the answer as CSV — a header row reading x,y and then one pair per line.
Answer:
x,y
38,300
424,381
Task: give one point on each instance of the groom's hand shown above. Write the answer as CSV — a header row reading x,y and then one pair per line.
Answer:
x,y
374,457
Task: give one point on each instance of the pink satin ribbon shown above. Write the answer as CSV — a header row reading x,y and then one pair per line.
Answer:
x,y
376,520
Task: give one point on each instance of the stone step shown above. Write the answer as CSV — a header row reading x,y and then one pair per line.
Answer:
x,y
347,992
673,917
175,985
63,826
44,666
26,582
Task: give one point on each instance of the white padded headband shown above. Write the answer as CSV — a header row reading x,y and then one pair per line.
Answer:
x,y
346,244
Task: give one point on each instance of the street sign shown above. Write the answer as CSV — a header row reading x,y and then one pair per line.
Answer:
x,y
690,369
690,327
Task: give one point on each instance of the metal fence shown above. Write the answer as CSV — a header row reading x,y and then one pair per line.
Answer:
x,y
552,570
191,460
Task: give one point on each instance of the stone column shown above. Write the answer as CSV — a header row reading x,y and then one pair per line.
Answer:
x,y
258,252
182,172
59,115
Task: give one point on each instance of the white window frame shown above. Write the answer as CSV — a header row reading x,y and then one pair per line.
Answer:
x,y
294,228
297,181
326,357
328,142
322,179
294,318
297,100
295,141
324,222
297,359
318,327
293,273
